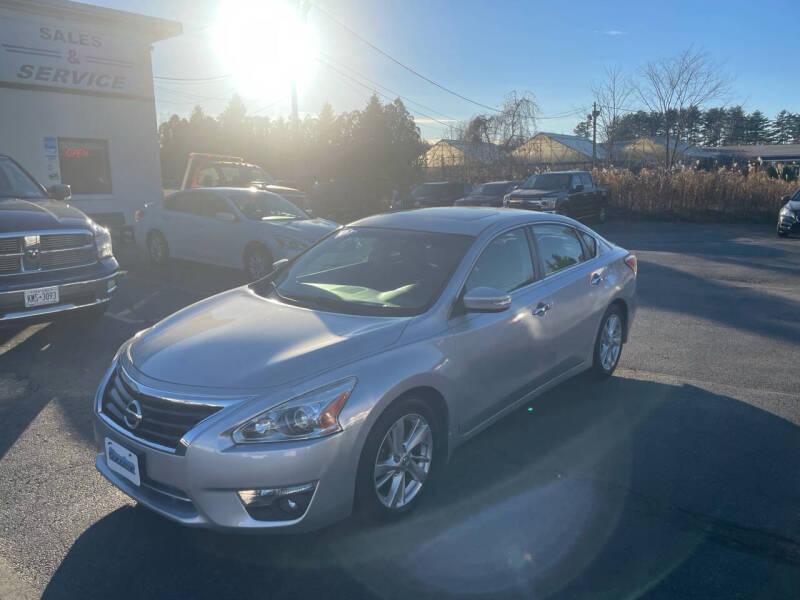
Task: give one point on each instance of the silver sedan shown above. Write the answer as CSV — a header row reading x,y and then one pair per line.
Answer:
x,y
347,376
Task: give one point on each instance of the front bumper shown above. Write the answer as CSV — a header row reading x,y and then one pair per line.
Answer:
x,y
197,486
788,225
85,289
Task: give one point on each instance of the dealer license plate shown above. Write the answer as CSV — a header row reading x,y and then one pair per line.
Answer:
x,y
121,460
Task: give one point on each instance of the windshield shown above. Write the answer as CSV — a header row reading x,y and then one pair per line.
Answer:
x,y
242,175
427,189
548,181
490,189
14,183
369,271
263,206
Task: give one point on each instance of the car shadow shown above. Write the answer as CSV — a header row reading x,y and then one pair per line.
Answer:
x,y
629,488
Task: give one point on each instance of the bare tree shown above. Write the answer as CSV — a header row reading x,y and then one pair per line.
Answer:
x,y
673,87
516,122
613,95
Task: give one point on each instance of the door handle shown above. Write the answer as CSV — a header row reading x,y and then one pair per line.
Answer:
x,y
596,279
542,308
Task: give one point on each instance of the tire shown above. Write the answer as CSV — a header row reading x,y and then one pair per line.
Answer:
x,y
612,328
257,262
157,248
382,475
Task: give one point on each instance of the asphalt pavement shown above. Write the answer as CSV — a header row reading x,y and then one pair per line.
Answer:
x,y
677,478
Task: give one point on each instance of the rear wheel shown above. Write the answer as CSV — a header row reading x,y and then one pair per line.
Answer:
x,y
157,248
257,262
398,459
608,345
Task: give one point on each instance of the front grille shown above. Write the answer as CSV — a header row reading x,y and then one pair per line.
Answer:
x,y
163,421
9,245
55,251
60,241
67,258
9,264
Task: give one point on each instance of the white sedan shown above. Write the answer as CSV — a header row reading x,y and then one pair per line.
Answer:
x,y
231,227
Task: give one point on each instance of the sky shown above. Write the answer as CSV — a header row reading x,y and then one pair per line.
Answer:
x,y
482,50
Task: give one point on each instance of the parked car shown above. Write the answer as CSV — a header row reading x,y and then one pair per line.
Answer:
x,y
789,215
348,375
231,227
438,193
570,193
488,194
215,170
54,260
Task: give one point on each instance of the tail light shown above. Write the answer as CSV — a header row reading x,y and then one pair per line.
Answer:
x,y
138,215
631,261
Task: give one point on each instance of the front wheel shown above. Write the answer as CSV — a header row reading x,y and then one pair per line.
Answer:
x,y
783,234
257,262
398,459
608,345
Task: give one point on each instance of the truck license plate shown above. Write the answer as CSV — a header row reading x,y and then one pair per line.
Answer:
x,y
41,296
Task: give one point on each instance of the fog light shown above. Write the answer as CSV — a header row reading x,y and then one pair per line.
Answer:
x,y
111,284
287,495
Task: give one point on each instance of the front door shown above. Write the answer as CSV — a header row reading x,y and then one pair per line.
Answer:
x,y
503,355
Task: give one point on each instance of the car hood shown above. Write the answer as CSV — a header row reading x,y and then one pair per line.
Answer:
x,y
238,340
283,191
39,215
307,230
531,193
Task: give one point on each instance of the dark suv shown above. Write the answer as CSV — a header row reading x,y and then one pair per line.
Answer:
x,y
570,193
53,258
436,193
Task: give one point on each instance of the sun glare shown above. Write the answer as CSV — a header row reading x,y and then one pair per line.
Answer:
x,y
265,45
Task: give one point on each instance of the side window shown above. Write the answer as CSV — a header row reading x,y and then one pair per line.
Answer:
x,y
590,243
558,246
574,182
586,180
505,263
175,202
210,204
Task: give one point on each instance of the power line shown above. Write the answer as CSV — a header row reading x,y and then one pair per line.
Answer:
x,y
399,95
394,60
341,73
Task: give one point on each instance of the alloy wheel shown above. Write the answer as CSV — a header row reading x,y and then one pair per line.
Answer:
x,y
610,342
157,248
403,461
257,265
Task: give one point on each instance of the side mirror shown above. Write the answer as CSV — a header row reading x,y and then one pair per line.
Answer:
x,y
60,192
279,263
785,199
486,299
225,216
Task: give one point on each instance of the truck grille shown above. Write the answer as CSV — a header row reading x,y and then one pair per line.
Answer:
x,y
162,422
53,251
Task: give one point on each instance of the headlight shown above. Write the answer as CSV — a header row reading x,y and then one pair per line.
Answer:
x,y
309,416
548,203
102,241
786,212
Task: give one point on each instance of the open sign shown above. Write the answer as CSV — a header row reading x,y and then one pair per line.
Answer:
x,y
76,153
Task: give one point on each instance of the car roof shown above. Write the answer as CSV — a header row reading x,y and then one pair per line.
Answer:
x,y
463,220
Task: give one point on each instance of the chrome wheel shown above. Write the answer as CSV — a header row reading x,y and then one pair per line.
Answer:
x,y
158,248
258,265
403,461
610,342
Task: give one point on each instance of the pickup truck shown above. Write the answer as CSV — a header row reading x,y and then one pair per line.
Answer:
x,y
54,260
570,193
215,170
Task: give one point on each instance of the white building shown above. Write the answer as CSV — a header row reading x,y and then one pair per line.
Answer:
x,y
76,101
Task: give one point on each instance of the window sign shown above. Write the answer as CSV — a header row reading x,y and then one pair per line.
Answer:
x,y
51,158
84,165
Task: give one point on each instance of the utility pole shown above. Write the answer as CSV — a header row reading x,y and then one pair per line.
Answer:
x,y
593,117
303,8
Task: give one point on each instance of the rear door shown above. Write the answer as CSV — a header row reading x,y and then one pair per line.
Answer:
x,y
576,291
504,354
